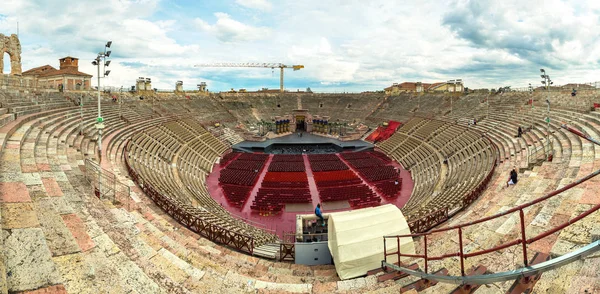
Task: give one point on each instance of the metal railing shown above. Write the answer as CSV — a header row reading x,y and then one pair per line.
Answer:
x,y
188,216
540,153
528,272
523,241
271,228
106,185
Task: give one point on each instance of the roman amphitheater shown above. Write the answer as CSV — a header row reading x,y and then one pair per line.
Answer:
x,y
175,198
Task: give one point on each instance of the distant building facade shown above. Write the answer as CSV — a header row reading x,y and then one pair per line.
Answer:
x,y
68,75
419,87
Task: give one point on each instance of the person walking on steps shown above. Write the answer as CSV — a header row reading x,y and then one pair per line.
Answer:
x,y
319,214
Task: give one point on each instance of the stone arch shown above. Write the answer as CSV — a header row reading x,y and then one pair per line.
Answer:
x,y
12,46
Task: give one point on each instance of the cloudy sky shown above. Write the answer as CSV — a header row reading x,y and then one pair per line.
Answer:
x,y
345,45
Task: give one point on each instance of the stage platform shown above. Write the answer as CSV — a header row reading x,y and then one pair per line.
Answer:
x,y
310,141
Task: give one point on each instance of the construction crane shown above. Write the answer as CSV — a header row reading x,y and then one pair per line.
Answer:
x,y
281,67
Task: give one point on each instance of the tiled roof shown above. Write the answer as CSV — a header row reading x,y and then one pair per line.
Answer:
x,y
65,71
408,86
39,70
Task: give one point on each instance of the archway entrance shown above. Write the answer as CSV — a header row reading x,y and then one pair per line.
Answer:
x,y
300,123
5,63
10,55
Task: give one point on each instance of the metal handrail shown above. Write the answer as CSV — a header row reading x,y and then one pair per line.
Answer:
x,y
523,240
508,275
207,229
535,151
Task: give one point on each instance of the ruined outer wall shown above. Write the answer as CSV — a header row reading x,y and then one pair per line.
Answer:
x,y
12,46
3,284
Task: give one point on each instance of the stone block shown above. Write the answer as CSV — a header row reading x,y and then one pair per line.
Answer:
x,y
327,287
28,168
9,177
59,238
193,272
235,280
351,285
29,263
595,234
76,273
18,215
135,278
52,188
60,205
14,192
562,247
43,167
56,289
584,285
164,266
30,179
509,224
291,288
3,284
77,228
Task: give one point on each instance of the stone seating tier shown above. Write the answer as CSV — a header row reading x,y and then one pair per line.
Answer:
x,y
145,250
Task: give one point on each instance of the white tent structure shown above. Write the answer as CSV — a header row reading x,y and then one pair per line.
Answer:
x,y
356,238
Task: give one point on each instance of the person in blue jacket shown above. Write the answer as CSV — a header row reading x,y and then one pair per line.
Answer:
x,y
319,214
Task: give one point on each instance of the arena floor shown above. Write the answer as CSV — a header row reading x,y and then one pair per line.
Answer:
x,y
286,221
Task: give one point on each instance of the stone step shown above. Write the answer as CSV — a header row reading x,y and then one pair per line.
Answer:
x,y
64,250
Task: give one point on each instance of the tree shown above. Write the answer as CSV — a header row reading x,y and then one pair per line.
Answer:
x,y
308,90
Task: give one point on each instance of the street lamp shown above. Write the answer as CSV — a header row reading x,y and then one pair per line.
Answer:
x,y
101,60
120,102
531,95
81,114
547,82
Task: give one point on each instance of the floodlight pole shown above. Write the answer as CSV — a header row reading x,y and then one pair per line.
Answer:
x,y
99,115
547,82
548,118
99,121
81,114
120,102
531,99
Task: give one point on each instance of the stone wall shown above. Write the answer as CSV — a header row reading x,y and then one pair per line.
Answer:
x,y
12,46
249,107
3,285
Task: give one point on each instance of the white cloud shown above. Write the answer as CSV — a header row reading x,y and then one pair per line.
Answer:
x,y
263,5
49,31
229,30
341,44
